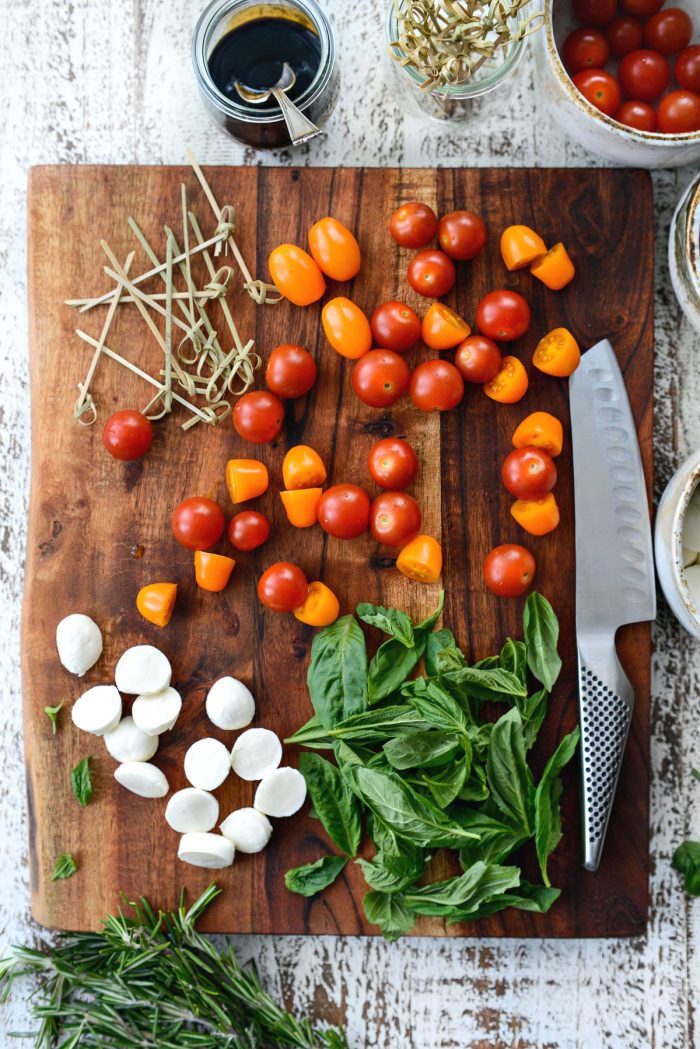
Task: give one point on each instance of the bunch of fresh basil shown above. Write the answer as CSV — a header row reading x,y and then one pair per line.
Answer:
x,y
419,767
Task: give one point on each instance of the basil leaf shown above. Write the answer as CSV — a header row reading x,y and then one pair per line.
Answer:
x,y
497,839
430,622
541,635
375,726
533,710
389,873
686,860
509,778
52,715
333,801
81,783
337,676
436,706
547,814
446,783
528,898
513,658
390,620
64,867
441,652
695,773
389,912
420,748
468,891
486,684
314,877
312,734
475,786
392,664
488,663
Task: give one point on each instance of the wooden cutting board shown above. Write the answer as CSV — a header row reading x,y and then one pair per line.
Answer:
x,y
90,518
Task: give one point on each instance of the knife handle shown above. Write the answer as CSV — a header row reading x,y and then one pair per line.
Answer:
x,y
606,701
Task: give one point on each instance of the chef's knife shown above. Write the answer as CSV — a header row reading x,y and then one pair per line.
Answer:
x,y
614,575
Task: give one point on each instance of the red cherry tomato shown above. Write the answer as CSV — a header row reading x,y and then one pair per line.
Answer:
x,y
478,359
258,416
343,511
395,518
601,89
529,473
198,523
503,316
291,371
509,570
431,273
127,435
668,31
283,587
639,115
585,49
395,326
392,463
436,386
413,225
248,530
679,113
644,75
461,234
624,34
687,68
641,8
595,12
380,378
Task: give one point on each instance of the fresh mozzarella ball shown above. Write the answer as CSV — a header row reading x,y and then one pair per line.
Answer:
x,y
281,793
692,578
79,643
206,850
158,712
192,809
142,670
207,764
689,557
691,524
230,705
255,753
142,778
126,742
98,710
248,829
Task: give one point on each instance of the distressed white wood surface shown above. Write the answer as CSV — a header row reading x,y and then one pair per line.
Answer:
x,y
98,81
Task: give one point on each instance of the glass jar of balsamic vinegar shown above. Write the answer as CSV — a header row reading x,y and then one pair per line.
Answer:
x,y
250,41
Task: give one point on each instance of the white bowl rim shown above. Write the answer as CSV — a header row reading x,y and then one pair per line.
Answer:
x,y
690,486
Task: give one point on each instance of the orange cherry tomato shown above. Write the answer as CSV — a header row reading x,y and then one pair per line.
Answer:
x,y
301,505
442,328
303,468
212,571
510,384
555,269
246,479
335,249
156,602
421,559
540,430
520,246
321,607
557,353
346,327
536,516
296,275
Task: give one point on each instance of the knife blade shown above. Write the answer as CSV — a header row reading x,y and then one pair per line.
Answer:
x,y
614,576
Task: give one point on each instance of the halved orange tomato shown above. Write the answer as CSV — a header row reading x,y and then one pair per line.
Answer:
x,y
321,607
510,384
520,246
303,468
555,269
557,353
156,602
421,559
536,516
442,328
212,571
540,430
246,479
301,505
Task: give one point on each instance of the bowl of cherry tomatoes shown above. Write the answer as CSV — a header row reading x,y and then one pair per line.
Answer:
x,y
622,77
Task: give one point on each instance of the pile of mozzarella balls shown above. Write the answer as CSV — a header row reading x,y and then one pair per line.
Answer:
x,y
144,672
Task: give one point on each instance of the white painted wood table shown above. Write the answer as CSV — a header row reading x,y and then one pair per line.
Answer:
x,y
103,82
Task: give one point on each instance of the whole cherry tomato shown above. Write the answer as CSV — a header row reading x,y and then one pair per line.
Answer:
x,y
248,530
258,416
585,49
641,8
343,511
380,378
283,587
624,34
431,273
478,359
413,225
335,249
668,31
296,274
644,75
503,316
127,435
395,326
392,463
687,68
291,371
679,113
595,12
509,570
461,234
599,88
442,328
529,473
395,518
198,523
639,115
436,386
346,327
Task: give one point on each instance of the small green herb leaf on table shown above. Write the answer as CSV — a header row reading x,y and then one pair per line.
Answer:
x,y
312,878
81,782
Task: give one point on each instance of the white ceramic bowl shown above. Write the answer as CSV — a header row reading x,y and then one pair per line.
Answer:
x,y
684,252
668,543
578,118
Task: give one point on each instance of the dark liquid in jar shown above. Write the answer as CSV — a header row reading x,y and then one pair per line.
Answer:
x,y
255,52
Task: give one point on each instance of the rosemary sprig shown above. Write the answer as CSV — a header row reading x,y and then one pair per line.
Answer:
x,y
151,981
64,867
